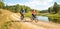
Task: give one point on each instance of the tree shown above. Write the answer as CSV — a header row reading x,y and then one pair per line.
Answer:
x,y
49,10
55,7
44,11
27,9
1,4
17,8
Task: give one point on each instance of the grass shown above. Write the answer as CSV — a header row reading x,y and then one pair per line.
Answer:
x,y
50,15
28,14
4,17
3,20
5,25
43,14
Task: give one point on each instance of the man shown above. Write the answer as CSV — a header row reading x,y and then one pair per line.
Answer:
x,y
22,14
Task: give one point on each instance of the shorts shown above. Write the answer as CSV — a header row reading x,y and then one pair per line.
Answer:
x,y
22,15
34,15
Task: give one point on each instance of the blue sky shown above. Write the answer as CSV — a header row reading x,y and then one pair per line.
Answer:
x,y
34,4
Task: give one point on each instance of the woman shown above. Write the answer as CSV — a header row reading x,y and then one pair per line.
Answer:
x,y
33,14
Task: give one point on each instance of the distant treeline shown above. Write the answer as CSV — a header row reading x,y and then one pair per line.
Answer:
x,y
53,9
44,11
15,8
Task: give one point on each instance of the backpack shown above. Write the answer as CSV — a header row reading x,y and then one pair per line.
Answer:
x,y
22,11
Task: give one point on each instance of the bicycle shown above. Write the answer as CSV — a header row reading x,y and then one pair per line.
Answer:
x,y
34,19
22,17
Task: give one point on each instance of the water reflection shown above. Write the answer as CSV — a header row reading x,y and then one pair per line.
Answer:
x,y
42,18
53,19
48,19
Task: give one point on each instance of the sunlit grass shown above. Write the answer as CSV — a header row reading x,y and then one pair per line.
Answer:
x,y
4,17
28,14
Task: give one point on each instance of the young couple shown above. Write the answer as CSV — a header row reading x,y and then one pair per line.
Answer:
x,y
33,13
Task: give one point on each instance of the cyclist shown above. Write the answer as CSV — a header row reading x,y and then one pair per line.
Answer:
x,y
33,15
22,14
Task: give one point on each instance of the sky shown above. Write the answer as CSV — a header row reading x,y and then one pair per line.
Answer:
x,y
33,4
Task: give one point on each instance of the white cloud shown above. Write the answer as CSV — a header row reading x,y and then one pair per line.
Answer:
x,y
43,3
37,4
10,4
58,3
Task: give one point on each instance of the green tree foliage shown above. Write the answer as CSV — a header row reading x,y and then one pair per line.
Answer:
x,y
27,9
17,8
54,9
50,10
1,4
44,11
14,8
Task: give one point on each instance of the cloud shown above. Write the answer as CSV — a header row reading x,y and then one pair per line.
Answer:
x,y
58,3
42,3
36,4
10,4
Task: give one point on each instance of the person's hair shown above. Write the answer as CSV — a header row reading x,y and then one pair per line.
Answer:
x,y
32,9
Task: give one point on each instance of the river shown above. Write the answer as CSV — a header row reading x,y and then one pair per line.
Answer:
x,y
42,18
48,19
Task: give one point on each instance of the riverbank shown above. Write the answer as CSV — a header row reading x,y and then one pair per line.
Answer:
x,y
53,17
50,15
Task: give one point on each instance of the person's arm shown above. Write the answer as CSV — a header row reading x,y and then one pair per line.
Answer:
x,y
24,11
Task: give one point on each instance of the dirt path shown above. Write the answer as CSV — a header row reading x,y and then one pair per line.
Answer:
x,y
39,25
27,25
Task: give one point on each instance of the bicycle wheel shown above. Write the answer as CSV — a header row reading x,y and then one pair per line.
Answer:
x,y
22,18
32,18
36,20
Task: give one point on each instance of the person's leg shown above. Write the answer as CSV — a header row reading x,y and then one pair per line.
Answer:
x,y
32,16
36,20
23,16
